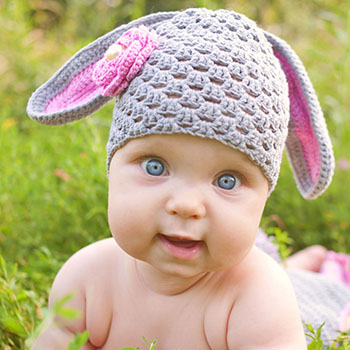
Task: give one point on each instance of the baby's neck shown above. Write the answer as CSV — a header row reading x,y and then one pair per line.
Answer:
x,y
162,283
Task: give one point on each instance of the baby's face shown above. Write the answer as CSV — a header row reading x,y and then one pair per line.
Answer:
x,y
184,204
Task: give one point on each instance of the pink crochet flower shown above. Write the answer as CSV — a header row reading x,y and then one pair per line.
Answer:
x,y
113,74
337,267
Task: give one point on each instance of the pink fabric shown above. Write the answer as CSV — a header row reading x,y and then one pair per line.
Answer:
x,y
336,266
301,123
115,75
79,90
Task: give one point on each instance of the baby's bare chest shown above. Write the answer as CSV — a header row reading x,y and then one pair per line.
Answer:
x,y
174,325
174,322
171,330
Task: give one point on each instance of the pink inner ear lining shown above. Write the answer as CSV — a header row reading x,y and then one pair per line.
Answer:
x,y
301,123
80,90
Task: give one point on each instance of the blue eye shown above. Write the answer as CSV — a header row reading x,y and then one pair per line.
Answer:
x,y
228,182
154,167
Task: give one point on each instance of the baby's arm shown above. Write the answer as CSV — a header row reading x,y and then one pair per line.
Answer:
x,y
69,280
266,314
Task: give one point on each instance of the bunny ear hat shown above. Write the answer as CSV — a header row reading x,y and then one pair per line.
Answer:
x,y
212,74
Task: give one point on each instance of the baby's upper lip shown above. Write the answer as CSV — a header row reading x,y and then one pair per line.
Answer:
x,y
180,237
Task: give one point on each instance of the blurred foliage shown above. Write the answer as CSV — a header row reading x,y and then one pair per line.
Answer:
x,y
53,188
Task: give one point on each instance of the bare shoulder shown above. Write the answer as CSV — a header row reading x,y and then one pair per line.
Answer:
x,y
101,249
84,263
81,275
265,314
98,254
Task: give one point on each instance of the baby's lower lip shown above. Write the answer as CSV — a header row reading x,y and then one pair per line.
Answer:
x,y
181,248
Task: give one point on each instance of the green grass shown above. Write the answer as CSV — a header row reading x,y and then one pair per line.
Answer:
x,y
53,185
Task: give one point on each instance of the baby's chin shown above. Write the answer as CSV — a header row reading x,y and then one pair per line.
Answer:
x,y
185,271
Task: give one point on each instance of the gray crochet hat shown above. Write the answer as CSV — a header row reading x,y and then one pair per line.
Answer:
x,y
212,74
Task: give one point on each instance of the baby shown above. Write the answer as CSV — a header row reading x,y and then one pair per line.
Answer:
x,y
205,101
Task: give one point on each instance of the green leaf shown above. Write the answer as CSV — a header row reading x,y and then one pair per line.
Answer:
x,y
22,295
67,313
59,304
12,325
153,344
144,339
318,333
79,340
310,328
317,343
2,263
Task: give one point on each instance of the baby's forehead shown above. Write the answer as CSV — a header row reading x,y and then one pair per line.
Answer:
x,y
186,146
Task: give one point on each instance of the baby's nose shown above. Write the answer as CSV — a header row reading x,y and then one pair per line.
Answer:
x,y
186,204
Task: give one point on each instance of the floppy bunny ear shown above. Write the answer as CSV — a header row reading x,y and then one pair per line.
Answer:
x,y
308,144
71,94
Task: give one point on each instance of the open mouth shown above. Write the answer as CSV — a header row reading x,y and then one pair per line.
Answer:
x,y
181,248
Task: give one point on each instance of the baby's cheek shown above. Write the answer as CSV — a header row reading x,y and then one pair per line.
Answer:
x,y
241,232
112,215
121,233
117,218
125,229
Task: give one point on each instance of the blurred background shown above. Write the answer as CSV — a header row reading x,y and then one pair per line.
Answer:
x,y
53,185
